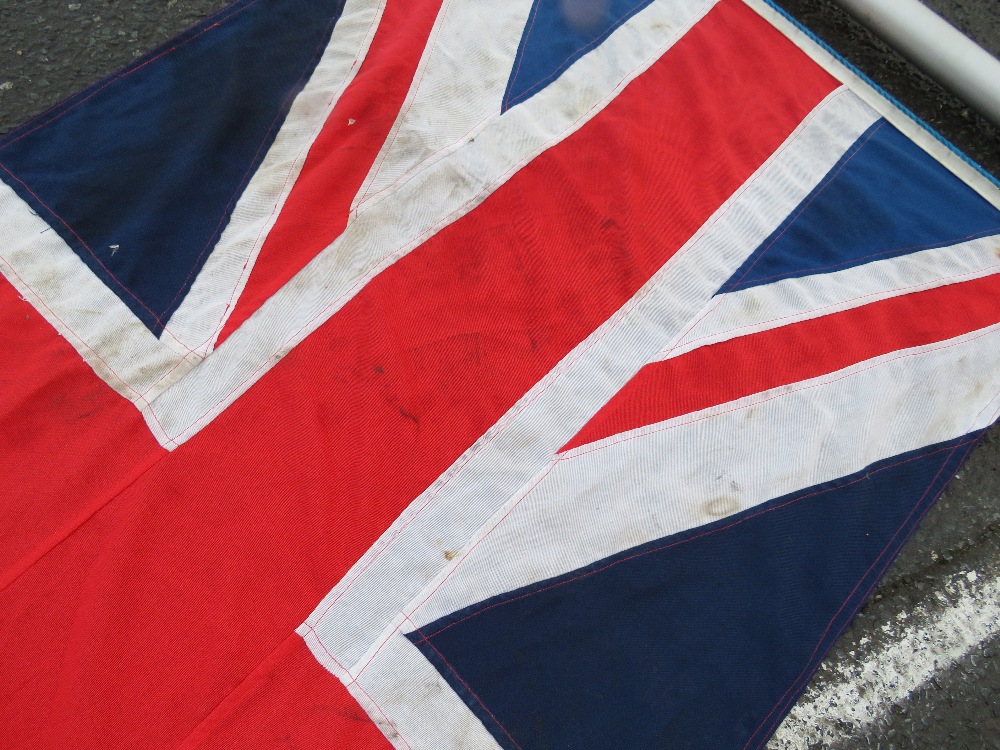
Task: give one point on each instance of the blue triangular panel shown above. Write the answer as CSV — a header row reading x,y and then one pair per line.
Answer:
x,y
699,640
557,34
140,173
885,197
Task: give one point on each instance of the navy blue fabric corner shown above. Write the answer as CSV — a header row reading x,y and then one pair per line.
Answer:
x,y
884,198
699,640
807,32
140,173
557,34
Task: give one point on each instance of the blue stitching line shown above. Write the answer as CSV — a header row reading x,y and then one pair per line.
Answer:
x,y
883,93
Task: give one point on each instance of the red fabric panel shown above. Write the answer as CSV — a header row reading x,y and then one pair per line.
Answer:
x,y
751,364
135,628
289,701
317,208
56,419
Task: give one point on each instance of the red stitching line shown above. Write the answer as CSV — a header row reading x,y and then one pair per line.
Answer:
x,y
75,334
662,548
854,610
903,354
292,94
424,638
472,549
806,670
417,168
507,418
127,72
681,340
380,159
233,292
713,304
622,314
944,243
868,590
305,147
232,295
379,649
717,300
169,372
855,148
326,651
241,185
384,716
600,40
444,222
87,248
970,443
389,542
466,686
139,396
736,523
928,285
358,283
520,52
626,308
426,161
354,681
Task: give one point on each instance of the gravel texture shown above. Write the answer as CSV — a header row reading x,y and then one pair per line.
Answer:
x,y
50,50
959,708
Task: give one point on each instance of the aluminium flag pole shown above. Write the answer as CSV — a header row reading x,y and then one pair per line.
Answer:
x,y
937,47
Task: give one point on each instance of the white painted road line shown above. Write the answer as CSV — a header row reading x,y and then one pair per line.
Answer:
x,y
902,656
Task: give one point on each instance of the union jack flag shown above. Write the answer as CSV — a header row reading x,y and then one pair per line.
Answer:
x,y
446,374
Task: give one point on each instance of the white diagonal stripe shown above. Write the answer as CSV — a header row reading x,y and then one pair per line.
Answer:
x,y
412,551
914,129
457,88
46,272
789,301
212,297
120,349
395,222
629,489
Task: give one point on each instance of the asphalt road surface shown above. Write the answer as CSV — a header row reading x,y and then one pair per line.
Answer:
x,y
920,666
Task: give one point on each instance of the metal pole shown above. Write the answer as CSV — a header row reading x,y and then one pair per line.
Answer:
x,y
945,53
